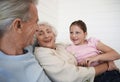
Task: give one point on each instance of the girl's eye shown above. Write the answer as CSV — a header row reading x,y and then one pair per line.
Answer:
x,y
77,32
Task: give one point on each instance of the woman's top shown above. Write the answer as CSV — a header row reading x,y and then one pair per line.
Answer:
x,y
61,66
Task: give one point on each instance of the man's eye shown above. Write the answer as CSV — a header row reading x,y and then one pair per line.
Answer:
x,y
71,32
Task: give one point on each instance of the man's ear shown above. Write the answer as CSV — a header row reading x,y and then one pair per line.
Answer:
x,y
17,25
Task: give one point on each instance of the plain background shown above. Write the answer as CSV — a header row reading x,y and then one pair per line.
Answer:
x,y
102,18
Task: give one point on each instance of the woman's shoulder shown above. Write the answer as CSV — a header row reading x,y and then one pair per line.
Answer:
x,y
42,50
63,44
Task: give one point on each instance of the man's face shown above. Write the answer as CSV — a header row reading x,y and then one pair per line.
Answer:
x,y
30,27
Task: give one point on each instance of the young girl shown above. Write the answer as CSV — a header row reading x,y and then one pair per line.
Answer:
x,y
88,52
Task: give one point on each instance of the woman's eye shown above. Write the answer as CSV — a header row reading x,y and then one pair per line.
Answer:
x,y
49,32
40,33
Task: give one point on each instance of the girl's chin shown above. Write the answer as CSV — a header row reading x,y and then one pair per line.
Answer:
x,y
76,43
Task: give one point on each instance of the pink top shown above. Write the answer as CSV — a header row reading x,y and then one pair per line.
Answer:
x,y
83,51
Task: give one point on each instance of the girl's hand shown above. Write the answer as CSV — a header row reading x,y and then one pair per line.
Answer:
x,y
92,59
82,63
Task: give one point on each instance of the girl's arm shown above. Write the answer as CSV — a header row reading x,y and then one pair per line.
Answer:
x,y
109,54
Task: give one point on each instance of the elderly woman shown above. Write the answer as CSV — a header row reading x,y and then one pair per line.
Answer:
x,y
60,65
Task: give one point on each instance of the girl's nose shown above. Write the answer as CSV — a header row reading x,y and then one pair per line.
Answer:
x,y
73,34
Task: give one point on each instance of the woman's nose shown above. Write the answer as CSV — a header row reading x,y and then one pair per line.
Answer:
x,y
46,34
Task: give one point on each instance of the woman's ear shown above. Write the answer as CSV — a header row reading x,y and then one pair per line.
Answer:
x,y
16,25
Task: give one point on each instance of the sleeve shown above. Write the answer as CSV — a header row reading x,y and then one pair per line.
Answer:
x,y
61,71
93,41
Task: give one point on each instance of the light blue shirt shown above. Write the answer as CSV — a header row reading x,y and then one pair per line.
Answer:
x,y
21,68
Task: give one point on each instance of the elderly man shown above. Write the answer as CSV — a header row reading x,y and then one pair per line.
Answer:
x,y
18,23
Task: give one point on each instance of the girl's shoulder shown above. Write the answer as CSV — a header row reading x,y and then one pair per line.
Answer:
x,y
92,39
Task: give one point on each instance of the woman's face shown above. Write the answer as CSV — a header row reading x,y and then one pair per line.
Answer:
x,y
77,35
46,37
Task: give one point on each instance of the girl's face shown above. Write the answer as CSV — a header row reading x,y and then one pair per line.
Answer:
x,y
46,37
77,35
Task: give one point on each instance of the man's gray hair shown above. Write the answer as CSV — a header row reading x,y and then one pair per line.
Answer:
x,y
12,9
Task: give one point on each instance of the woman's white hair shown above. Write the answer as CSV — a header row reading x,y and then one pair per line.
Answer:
x,y
46,24
50,26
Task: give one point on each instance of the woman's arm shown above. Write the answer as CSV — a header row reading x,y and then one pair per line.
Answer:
x,y
62,71
99,69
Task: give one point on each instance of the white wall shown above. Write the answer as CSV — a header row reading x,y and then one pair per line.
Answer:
x,y
102,18
47,11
